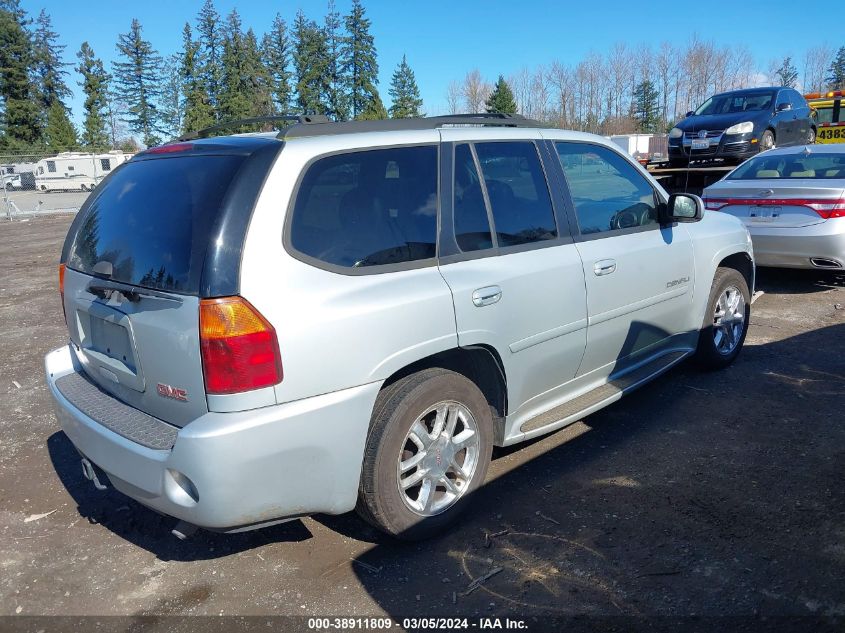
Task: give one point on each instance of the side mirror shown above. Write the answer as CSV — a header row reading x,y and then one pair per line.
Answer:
x,y
783,107
682,207
690,113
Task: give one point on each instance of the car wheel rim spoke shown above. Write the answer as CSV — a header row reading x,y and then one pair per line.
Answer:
x,y
728,320
438,458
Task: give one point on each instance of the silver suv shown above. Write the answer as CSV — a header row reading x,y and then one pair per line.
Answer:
x,y
351,315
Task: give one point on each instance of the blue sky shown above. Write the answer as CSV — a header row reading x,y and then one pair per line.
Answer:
x,y
443,40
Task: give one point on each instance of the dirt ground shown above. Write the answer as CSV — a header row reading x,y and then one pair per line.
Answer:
x,y
700,494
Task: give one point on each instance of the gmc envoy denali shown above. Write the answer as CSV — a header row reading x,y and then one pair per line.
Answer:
x,y
351,315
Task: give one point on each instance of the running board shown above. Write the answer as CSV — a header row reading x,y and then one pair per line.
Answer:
x,y
607,391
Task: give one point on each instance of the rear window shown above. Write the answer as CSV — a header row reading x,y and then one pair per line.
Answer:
x,y
151,221
368,208
818,165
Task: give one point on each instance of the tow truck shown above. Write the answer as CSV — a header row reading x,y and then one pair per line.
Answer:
x,y
827,110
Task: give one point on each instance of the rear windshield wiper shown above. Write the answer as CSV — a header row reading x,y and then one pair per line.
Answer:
x,y
121,293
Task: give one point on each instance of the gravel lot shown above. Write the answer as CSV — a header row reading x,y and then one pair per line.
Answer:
x,y
700,494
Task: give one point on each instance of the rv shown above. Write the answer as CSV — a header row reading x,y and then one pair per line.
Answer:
x,y
75,171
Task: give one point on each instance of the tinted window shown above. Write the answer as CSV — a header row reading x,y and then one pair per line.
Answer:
x,y
105,164
783,97
151,220
607,191
517,191
818,165
51,165
737,102
472,225
368,208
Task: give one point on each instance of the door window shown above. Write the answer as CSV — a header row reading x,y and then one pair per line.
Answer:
x,y
783,97
797,100
472,224
51,166
608,193
517,191
105,164
368,208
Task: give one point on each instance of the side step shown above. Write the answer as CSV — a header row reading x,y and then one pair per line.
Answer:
x,y
598,395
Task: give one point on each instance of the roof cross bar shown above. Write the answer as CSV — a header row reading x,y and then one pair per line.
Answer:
x,y
302,119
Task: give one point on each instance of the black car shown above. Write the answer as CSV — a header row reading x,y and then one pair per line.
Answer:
x,y
738,124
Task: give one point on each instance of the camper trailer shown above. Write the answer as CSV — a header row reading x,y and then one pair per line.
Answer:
x,y
75,171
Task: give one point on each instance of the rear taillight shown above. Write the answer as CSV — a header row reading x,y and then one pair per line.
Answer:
x,y
62,288
825,208
240,351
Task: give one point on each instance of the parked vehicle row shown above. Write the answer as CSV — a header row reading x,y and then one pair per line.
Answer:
x,y
350,315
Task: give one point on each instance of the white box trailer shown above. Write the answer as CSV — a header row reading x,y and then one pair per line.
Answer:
x,y
75,171
644,147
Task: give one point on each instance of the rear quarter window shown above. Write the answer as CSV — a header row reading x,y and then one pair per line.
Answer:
x,y
368,208
151,220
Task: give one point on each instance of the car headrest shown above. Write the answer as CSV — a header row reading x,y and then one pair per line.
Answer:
x,y
768,173
808,173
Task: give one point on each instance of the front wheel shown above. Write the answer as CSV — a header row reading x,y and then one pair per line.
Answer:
x,y
726,321
428,449
767,141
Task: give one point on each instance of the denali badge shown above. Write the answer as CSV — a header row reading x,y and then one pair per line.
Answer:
x,y
166,391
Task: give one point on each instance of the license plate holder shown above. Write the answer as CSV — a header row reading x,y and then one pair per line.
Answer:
x,y
764,214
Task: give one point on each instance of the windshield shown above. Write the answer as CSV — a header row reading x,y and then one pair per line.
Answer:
x,y
818,165
824,113
737,102
151,220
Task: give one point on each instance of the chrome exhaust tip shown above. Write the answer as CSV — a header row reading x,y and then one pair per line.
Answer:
x,y
823,262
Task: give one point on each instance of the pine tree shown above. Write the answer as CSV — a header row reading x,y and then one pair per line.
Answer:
x,y
210,56
95,86
404,93
374,109
198,113
275,50
360,63
836,78
233,103
787,73
336,99
49,67
647,107
137,83
19,126
258,81
59,133
501,99
310,63
171,101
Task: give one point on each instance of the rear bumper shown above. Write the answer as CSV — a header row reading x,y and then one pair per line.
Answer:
x,y
245,468
798,247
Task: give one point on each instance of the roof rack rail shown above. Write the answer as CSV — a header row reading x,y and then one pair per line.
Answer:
x,y
301,119
326,127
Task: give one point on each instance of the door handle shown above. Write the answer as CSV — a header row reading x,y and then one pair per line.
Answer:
x,y
604,267
487,295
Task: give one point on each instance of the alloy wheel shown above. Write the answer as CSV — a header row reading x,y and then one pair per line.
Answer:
x,y
728,320
438,458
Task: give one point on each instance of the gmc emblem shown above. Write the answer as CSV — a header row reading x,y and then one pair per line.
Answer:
x,y
166,391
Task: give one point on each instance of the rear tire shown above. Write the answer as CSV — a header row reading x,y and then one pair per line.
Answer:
x,y
726,320
413,438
